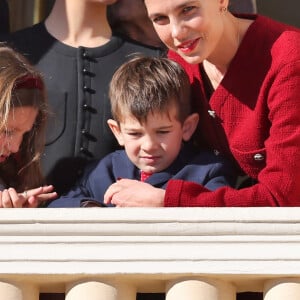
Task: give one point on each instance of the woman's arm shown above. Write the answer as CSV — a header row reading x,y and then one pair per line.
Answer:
x,y
278,180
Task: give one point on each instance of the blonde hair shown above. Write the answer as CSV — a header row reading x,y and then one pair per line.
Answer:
x,y
22,85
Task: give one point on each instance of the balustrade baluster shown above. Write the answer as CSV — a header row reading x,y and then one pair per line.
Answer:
x,y
288,289
200,289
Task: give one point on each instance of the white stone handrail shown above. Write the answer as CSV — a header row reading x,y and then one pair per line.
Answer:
x,y
147,250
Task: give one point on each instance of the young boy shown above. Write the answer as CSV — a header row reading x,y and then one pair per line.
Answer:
x,y
153,121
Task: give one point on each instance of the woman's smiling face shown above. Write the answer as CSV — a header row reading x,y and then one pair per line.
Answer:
x,y
192,28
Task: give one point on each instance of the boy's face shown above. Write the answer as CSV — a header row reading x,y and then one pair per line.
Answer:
x,y
152,146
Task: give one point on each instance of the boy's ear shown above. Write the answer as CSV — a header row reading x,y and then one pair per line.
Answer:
x,y
115,128
189,126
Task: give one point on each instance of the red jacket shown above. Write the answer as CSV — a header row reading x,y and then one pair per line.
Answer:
x,y
252,117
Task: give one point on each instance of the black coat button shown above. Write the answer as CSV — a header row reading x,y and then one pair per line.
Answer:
x,y
88,135
86,152
87,72
89,108
88,90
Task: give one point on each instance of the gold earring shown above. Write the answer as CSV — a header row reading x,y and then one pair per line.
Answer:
x,y
223,9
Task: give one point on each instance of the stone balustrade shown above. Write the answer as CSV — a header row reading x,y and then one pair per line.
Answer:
x,y
115,253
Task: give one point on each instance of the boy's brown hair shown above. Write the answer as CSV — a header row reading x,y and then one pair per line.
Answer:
x,y
146,85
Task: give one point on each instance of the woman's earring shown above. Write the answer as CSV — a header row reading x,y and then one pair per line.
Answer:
x,y
223,9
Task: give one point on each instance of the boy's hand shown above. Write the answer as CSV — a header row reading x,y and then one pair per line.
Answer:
x,y
133,193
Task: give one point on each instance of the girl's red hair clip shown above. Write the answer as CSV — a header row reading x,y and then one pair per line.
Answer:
x,y
29,82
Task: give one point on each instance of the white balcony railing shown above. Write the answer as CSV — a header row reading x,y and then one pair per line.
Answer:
x,y
187,253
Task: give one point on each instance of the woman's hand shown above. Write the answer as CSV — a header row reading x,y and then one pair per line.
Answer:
x,y
133,193
9,198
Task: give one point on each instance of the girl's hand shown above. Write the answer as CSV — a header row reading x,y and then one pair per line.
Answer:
x,y
9,198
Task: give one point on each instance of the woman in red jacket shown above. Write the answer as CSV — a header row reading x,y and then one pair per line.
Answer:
x,y
245,75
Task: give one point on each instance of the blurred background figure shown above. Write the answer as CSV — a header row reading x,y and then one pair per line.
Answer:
x,y
243,6
130,18
4,16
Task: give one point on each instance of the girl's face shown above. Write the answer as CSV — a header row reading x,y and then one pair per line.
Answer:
x,y
20,121
192,28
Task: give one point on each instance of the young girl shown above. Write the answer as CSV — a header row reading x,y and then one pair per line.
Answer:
x,y
23,112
